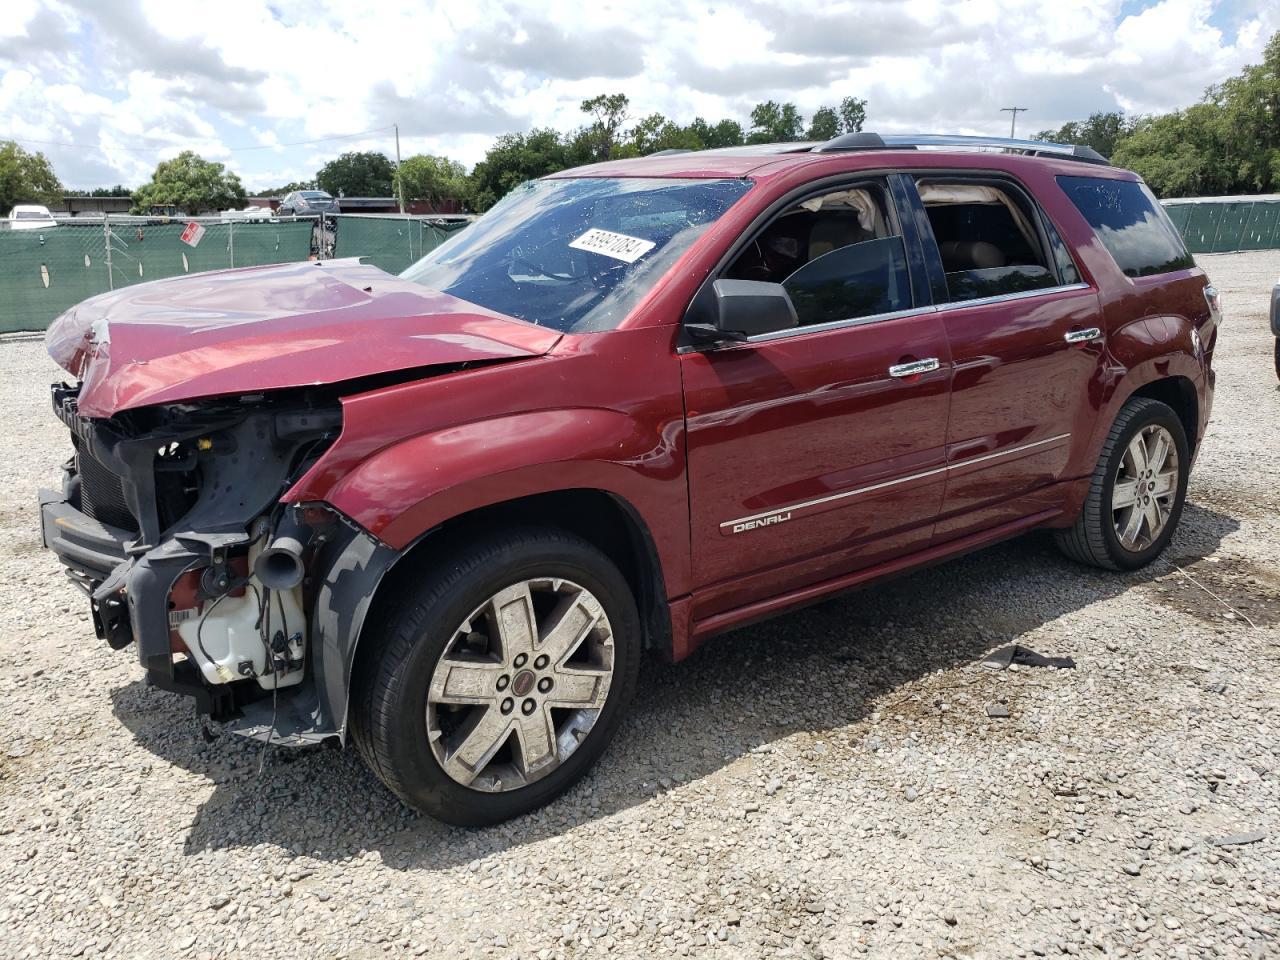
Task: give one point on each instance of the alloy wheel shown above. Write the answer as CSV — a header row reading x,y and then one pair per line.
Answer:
x,y
520,685
1145,488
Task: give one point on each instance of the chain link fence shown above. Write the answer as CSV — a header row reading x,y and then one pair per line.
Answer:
x,y
50,269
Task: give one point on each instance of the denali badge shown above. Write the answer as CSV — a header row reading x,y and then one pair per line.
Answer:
x,y
762,522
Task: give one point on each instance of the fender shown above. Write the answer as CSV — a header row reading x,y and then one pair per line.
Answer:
x,y
412,486
352,566
605,413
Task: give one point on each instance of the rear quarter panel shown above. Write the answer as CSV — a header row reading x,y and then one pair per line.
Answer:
x,y
1149,321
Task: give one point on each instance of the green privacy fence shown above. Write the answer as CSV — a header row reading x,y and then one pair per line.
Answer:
x,y
44,272
1222,225
391,243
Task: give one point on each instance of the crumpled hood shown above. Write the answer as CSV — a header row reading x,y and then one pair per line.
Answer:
x,y
266,328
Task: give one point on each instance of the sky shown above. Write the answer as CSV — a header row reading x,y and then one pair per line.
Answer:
x,y
108,88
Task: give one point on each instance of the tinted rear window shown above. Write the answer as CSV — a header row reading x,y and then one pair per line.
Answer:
x,y
1130,224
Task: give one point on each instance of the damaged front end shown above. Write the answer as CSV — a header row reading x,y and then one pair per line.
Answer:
x,y
170,519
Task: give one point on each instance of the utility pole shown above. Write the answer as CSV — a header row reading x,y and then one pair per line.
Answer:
x,y
1013,119
399,185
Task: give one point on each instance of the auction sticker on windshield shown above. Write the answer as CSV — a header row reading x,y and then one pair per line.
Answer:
x,y
616,245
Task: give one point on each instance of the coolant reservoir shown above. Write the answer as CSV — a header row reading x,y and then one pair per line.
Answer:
x,y
229,645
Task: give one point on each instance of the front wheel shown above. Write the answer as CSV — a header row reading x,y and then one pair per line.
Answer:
x,y
502,678
1137,491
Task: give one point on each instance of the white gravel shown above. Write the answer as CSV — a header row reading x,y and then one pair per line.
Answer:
x,y
829,784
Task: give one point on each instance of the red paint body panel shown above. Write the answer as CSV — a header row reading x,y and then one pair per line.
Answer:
x,y
267,328
877,475
1021,390
812,420
602,411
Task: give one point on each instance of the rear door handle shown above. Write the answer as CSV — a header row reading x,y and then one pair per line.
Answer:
x,y
927,365
1082,336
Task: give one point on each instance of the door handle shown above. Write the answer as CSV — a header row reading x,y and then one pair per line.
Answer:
x,y
927,365
1082,336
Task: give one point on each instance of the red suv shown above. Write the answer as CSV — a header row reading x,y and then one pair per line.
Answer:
x,y
635,405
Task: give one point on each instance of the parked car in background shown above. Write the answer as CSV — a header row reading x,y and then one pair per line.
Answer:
x,y
304,203
248,214
633,406
31,216
1275,323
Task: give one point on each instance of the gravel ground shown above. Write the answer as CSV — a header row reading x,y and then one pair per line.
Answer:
x,y
829,784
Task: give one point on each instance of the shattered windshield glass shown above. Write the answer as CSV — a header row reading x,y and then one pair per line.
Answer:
x,y
575,254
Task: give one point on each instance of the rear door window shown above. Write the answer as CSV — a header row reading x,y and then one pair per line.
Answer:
x,y
1130,223
987,239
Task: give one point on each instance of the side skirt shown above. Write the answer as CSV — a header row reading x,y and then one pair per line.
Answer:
x,y
815,593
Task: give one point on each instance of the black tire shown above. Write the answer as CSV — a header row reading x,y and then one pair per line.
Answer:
x,y
1093,539
1278,358
389,690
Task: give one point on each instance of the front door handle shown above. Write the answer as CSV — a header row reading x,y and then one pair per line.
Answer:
x,y
914,368
1082,336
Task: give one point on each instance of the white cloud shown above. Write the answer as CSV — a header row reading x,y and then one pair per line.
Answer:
x,y
134,81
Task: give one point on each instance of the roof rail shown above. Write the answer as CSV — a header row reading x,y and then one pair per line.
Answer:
x,y
911,141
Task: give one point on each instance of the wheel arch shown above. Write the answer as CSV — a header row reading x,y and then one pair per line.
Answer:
x,y
1178,392
600,517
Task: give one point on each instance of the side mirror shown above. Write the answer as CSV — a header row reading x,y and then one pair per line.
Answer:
x,y
738,309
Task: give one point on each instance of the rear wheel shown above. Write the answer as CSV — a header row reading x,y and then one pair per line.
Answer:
x,y
1137,491
501,680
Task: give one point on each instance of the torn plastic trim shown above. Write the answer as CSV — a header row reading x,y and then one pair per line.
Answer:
x,y
344,575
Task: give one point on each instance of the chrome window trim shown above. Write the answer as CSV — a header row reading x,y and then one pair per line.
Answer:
x,y
841,324
1004,297
860,491
893,315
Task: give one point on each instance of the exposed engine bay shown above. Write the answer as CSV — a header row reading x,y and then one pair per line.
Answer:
x,y
169,519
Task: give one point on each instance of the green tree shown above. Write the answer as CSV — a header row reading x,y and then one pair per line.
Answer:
x,y
25,178
190,183
119,190
608,114
358,174
726,133
1227,143
1102,131
1180,154
1250,122
853,114
823,125
655,132
773,122
515,158
435,179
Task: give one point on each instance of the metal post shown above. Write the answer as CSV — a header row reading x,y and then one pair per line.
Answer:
x,y
231,240
106,238
399,185
1013,118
